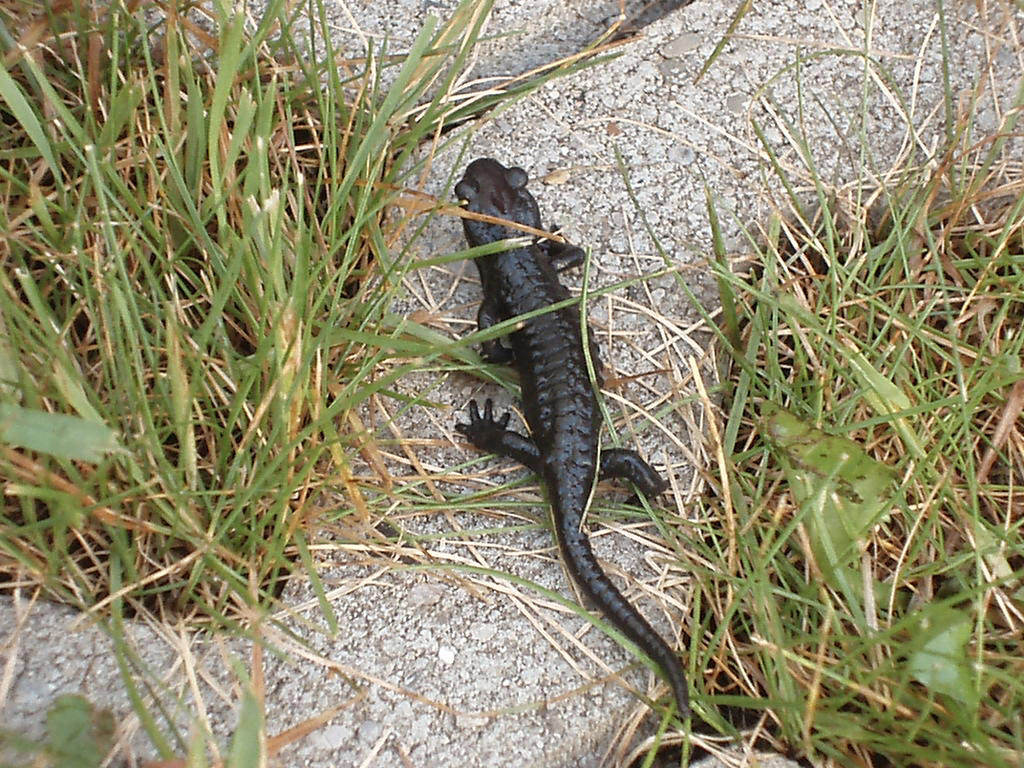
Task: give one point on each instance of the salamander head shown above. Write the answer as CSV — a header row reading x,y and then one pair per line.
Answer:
x,y
490,188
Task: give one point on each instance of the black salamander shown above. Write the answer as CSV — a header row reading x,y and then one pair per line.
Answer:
x,y
558,399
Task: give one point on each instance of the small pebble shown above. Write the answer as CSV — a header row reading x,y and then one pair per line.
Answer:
x,y
482,632
685,43
369,732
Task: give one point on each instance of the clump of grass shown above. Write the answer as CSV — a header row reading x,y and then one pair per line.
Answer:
x,y
198,268
867,602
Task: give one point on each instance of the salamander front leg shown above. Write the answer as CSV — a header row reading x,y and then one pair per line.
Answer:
x,y
563,256
492,350
490,434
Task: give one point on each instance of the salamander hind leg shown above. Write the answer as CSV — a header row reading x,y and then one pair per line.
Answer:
x,y
626,464
490,434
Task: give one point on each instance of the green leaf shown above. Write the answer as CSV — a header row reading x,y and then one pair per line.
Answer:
x,y
79,735
843,491
196,757
122,110
885,398
11,92
56,434
940,661
247,743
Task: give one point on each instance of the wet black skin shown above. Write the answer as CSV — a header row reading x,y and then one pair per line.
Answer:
x,y
558,399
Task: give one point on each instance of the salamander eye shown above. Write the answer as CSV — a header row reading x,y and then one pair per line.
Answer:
x,y
466,190
516,178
